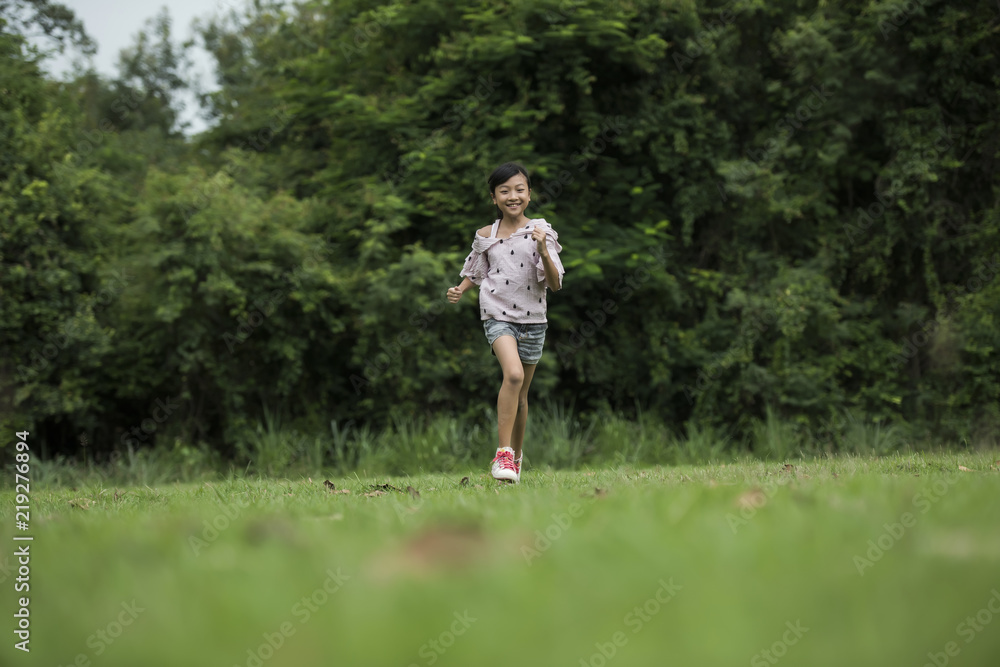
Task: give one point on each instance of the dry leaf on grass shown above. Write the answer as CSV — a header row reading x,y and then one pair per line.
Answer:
x,y
964,469
333,489
375,493
82,503
464,482
384,487
413,492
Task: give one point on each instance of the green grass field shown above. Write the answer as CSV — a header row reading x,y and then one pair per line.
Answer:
x,y
843,561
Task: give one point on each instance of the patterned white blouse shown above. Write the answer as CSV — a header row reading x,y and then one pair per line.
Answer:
x,y
510,273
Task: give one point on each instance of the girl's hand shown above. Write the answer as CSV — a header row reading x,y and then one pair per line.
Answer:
x,y
454,294
538,234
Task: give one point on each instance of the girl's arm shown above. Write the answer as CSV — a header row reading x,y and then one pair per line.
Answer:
x,y
552,278
455,293
551,274
477,265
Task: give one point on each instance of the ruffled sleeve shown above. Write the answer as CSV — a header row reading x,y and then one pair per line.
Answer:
x,y
477,264
552,243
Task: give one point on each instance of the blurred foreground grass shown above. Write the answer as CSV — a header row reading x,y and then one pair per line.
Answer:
x,y
845,561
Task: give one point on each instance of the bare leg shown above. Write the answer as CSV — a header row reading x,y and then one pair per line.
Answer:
x,y
521,421
513,379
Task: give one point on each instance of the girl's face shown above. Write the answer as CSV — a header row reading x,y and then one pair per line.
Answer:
x,y
513,196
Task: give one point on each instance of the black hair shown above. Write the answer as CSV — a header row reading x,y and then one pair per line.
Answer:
x,y
504,173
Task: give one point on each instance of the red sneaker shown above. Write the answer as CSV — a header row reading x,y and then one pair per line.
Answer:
x,y
504,467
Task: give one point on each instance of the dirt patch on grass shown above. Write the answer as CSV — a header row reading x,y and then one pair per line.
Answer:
x,y
443,549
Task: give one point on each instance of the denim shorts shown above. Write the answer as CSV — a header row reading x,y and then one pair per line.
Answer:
x,y
530,337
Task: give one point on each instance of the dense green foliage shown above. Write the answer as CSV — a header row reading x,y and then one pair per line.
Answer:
x,y
777,212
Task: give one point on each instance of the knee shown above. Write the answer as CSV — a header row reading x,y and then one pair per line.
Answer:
x,y
515,377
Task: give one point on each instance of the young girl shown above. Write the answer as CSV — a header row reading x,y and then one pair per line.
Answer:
x,y
513,261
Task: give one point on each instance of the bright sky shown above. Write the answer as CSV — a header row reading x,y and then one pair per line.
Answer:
x,y
114,24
